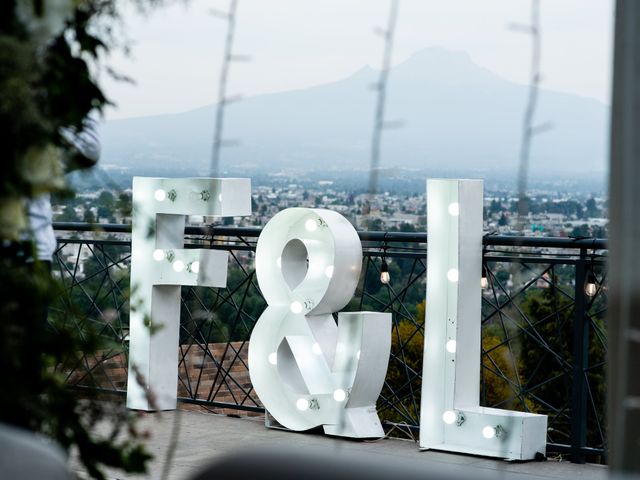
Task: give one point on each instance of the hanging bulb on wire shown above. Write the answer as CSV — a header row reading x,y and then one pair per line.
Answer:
x,y
384,272
484,281
590,286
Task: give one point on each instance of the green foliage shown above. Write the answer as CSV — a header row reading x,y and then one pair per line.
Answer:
x,y
407,350
502,372
529,358
35,356
47,57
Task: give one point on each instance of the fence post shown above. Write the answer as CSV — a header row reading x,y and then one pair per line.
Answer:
x,y
580,364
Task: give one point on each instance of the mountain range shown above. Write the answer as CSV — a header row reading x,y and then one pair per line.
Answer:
x,y
454,116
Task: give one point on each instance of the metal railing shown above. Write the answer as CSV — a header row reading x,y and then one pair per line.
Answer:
x,y
543,336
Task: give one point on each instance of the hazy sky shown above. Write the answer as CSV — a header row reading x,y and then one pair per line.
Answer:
x,y
176,51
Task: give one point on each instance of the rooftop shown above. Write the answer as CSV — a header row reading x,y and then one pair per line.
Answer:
x,y
202,438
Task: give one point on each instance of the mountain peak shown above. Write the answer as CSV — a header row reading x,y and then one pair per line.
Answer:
x,y
440,63
455,114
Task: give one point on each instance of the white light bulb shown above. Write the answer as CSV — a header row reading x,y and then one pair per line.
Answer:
x,y
451,346
311,225
488,432
220,197
329,271
160,195
178,265
315,348
158,254
279,262
273,358
484,282
358,354
454,209
452,275
449,417
302,404
296,307
339,395
195,266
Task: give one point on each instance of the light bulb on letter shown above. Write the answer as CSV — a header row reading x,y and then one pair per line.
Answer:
x,y
160,195
488,432
311,225
329,271
178,265
296,307
451,346
452,275
339,395
449,417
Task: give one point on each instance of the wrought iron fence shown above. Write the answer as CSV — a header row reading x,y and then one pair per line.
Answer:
x,y
543,336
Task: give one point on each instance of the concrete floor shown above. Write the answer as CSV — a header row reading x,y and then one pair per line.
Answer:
x,y
203,438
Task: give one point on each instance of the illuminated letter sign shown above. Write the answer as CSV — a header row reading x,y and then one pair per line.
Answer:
x,y
160,266
306,370
451,418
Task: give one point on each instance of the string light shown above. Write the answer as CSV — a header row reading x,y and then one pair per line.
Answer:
x,y
484,281
384,272
591,286
385,277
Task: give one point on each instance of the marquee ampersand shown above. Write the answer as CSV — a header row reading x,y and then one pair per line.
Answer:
x,y
307,370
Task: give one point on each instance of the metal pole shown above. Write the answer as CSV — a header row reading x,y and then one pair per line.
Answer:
x,y
580,365
624,270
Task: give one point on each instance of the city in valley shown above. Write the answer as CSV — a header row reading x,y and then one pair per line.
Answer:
x,y
569,208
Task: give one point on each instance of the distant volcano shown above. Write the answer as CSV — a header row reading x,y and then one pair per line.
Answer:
x,y
454,114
